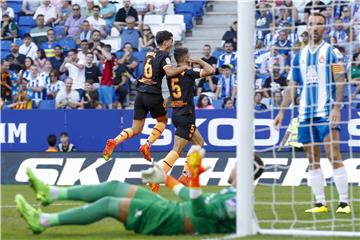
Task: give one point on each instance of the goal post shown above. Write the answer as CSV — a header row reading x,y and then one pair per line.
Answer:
x,y
245,116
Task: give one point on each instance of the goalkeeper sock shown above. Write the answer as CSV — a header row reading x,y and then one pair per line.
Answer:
x,y
125,134
317,185
156,132
90,193
341,183
104,207
169,161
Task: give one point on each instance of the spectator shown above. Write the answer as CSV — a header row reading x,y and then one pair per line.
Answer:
x,y
107,12
48,11
95,40
231,35
305,39
7,78
28,48
258,104
65,145
284,17
92,71
293,12
207,85
24,74
97,23
58,58
122,85
107,81
204,102
9,28
226,85
159,6
141,7
15,58
87,11
275,82
90,99
123,13
354,70
39,33
64,13
228,58
147,39
283,44
40,59
67,98
73,23
76,69
29,7
130,33
339,32
45,75
128,59
277,99
228,104
51,139
21,99
313,6
35,86
55,85
84,46
49,46
5,10
263,19
207,56
85,34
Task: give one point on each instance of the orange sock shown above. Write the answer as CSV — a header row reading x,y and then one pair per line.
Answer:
x,y
156,132
125,134
171,182
169,160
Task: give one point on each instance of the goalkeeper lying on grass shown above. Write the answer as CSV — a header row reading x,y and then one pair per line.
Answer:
x,y
137,208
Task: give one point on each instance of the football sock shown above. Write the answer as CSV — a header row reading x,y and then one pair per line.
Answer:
x,y
125,134
169,160
317,185
90,193
341,183
156,132
89,213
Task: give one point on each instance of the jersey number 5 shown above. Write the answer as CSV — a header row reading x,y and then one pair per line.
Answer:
x,y
148,72
175,88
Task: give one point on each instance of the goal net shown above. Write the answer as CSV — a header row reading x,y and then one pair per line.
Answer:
x,y
284,191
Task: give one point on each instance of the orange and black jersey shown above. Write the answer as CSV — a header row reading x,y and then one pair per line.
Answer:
x,y
153,71
181,89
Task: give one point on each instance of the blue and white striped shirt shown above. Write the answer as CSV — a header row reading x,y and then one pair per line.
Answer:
x,y
311,70
35,96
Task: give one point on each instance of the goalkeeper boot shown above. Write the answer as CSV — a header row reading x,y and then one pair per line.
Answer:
x,y
41,189
30,214
109,148
154,187
319,208
343,208
145,150
194,158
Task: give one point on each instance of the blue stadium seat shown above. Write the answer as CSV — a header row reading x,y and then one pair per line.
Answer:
x,y
139,69
140,56
47,104
26,21
18,41
217,103
67,43
195,100
217,53
5,44
16,6
4,53
119,54
58,30
184,8
197,7
24,30
188,18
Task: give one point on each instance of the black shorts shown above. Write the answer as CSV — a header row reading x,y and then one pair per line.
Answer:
x,y
185,125
147,102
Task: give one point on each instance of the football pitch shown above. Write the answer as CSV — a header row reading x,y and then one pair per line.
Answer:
x,y
13,227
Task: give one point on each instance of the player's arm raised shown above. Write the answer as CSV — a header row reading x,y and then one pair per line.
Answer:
x,y
206,69
173,71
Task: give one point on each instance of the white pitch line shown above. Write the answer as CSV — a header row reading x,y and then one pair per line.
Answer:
x,y
39,205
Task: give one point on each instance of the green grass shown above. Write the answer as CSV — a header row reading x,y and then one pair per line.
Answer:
x,y
13,227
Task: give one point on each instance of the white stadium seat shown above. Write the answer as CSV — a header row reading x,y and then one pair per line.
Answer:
x,y
176,19
153,19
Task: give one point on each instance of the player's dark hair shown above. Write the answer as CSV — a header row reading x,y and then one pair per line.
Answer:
x,y
179,54
163,36
318,15
52,140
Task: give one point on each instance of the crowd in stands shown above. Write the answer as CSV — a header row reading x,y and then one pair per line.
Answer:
x,y
55,51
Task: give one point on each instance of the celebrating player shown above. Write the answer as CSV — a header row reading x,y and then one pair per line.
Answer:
x,y
181,88
316,70
139,209
149,96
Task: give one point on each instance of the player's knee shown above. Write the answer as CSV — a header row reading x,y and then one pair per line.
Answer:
x,y
109,204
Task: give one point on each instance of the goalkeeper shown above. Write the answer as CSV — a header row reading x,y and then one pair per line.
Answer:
x,y
137,208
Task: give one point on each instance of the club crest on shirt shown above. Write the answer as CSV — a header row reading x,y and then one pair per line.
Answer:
x,y
322,59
